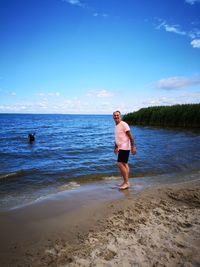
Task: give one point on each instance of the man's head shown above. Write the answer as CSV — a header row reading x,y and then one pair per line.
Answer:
x,y
117,116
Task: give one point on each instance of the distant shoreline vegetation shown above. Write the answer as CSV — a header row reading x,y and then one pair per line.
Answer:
x,y
185,116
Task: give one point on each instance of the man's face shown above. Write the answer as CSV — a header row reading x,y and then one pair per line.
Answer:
x,y
117,117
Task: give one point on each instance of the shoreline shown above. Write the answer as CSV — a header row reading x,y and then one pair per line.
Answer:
x,y
105,186
158,226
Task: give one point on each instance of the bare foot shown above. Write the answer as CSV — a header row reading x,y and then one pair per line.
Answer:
x,y
124,186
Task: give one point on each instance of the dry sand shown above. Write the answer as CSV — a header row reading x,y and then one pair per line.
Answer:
x,y
157,227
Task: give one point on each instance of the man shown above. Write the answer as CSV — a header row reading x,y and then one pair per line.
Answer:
x,y
124,142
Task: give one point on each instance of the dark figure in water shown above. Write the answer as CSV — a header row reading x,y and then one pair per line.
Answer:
x,y
31,138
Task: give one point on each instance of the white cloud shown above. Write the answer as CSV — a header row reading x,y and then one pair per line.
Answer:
x,y
79,3
51,94
166,101
14,107
57,94
97,103
194,95
195,43
193,33
192,2
174,29
74,2
68,102
100,93
177,82
13,93
170,28
41,94
158,101
96,14
8,93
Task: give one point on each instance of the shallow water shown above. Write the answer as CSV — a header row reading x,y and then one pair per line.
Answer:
x,y
72,150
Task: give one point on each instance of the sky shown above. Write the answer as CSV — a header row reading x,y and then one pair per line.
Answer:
x,y
98,56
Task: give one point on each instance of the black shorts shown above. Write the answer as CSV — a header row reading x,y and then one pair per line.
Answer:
x,y
123,156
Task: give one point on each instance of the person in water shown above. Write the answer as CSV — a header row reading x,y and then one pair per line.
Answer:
x,y
124,142
31,137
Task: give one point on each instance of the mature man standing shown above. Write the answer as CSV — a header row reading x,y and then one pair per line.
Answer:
x,y
124,142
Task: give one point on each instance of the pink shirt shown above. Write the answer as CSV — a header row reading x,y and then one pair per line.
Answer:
x,y
121,138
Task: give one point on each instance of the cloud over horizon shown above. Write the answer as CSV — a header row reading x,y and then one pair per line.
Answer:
x,y
190,98
177,82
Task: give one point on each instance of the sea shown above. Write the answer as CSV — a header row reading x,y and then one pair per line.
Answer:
x,y
72,151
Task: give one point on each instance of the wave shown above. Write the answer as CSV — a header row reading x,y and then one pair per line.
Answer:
x,y
11,175
88,178
69,186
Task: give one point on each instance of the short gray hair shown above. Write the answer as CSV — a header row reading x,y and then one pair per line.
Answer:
x,y
117,112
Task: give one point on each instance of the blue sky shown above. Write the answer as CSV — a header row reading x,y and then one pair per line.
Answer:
x,y
96,56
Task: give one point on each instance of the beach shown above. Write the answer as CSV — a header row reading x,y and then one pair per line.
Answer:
x,y
157,226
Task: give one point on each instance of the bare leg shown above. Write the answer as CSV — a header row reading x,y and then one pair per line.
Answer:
x,y
127,169
124,169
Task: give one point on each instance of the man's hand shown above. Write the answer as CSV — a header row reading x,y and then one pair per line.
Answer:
x,y
116,150
133,150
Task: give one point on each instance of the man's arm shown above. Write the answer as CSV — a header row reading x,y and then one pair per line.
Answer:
x,y
133,147
116,150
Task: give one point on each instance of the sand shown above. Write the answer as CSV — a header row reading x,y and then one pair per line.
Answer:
x,y
159,226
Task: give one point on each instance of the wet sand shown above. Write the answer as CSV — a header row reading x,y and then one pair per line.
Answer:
x,y
159,226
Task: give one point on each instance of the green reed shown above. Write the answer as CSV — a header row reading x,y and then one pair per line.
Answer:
x,y
186,116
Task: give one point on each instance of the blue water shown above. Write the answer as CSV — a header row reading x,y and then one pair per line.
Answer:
x,y
70,150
